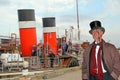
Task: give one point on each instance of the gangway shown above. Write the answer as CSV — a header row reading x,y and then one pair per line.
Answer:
x,y
65,59
70,60
78,57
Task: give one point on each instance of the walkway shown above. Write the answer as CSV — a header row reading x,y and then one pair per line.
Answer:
x,y
75,75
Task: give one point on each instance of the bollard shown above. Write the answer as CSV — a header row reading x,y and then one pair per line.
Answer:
x,y
25,70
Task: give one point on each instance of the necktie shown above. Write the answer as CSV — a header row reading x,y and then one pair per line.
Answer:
x,y
96,68
93,67
100,73
97,43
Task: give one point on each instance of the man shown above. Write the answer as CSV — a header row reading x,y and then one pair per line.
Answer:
x,y
34,50
64,46
51,56
101,60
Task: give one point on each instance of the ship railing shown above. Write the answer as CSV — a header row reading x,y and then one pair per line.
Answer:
x,y
36,62
1,64
11,61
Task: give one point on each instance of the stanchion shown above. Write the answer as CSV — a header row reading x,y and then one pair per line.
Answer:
x,y
25,70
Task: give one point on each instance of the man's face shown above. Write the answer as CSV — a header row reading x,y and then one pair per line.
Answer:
x,y
97,35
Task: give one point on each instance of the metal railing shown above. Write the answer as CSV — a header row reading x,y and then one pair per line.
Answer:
x,y
37,63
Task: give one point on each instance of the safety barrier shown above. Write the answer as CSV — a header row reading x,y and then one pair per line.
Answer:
x,y
12,61
37,63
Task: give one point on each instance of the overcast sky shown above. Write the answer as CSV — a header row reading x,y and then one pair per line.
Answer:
x,y
107,11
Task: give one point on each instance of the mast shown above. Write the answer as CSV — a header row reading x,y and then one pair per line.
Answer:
x,y
78,19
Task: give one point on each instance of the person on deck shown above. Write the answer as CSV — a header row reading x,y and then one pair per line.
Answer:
x,y
51,55
64,46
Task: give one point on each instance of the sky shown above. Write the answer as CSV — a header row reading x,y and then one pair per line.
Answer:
x,y
64,11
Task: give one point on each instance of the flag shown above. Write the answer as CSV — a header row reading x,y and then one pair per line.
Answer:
x,y
72,27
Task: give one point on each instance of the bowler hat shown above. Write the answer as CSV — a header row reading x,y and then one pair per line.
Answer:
x,y
96,25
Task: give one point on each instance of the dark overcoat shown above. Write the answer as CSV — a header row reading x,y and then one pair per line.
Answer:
x,y
111,58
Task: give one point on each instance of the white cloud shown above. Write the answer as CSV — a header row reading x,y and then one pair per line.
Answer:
x,y
112,7
45,5
85,2
4,3
63,10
